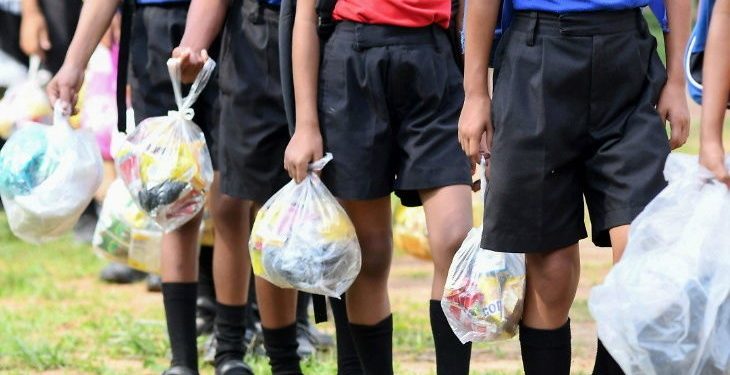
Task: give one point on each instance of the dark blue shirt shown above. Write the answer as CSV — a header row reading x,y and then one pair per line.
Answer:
x,y
565,6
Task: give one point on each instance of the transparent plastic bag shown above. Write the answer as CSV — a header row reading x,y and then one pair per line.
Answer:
x,y
485,290
665,308
26,101
165,162
303,239
125,234
48,175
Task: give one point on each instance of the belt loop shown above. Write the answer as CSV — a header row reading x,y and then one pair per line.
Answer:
x,y
532,33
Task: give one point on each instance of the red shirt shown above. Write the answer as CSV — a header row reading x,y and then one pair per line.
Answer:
x,y
404,13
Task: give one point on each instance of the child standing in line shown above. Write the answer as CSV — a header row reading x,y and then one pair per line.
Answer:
x,y
384,100
253,136
579,109
716,91
158,27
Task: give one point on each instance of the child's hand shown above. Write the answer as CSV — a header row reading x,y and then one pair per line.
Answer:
x,y
34,38
712,157
66,84
673,107
305,147
191,63
475,128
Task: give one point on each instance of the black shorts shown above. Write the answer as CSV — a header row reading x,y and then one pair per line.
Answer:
x,y
574,116
389,103
254,131
156,31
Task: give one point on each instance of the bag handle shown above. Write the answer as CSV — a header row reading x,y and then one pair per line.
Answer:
x,y
61,113
184,104
319,164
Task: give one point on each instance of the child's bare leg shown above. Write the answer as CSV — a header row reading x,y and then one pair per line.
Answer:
x,y
231,273
368,306
449,219
552,280
179,266
278,320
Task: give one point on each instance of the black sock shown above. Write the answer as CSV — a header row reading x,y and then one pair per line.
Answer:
x,y
206,285
179,300
348,363
546,351
252,313
281,347
374,346
452,357
605,364
303,300
229,331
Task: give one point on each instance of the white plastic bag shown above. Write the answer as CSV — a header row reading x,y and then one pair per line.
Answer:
x,y
125,234
48,175
165,162
26,101
303,239
485,290
664,309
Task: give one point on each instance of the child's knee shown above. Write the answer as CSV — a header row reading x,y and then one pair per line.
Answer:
x,y
376,256
228,211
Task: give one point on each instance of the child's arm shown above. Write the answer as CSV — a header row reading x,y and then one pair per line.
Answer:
x,y
204,23
716,91
96,15
475,120
34,38
672,105
306,144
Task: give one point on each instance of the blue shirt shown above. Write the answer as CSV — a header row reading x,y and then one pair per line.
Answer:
x,y
565,6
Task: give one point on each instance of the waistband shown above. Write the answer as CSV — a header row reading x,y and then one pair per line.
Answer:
x,y
369,35
580,23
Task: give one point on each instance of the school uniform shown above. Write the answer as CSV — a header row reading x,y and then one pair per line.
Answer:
x,y
575,89
157,28
390,94
576,83
254,131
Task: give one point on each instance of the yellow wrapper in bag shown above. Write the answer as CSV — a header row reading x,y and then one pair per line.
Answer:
x,y
303,239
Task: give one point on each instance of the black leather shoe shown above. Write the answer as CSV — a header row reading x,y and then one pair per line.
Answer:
x,y
116,273
180,370
233,367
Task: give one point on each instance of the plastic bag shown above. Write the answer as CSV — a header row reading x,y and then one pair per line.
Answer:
x,y
665,308
26,101
48,175
125,234
99,112
485,290
165,162
303,239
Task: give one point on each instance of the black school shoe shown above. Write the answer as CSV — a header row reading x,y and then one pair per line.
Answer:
x,y
116,273
319,339
180,370
233,367
204,316
154,283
